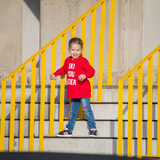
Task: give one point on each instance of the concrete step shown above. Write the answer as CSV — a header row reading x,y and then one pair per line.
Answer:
x,y
110,94
83,145
102,111
106,129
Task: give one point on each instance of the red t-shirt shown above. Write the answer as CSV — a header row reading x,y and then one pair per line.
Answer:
x,y
74,68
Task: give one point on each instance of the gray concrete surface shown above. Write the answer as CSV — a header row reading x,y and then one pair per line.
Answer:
x,y
110,111
135,35
108,94
31,30
83,145
11,35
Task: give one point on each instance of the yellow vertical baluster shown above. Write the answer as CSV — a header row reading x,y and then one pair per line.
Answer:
x,y
83,34
101,51
2,127
80,114
74,31
12,114
42,105
130,114
22,109
158,106
52,97
32,106
140,91
92,46
120,117
62,87
111,40
149,125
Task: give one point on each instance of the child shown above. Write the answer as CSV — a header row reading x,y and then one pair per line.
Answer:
x,y
78,70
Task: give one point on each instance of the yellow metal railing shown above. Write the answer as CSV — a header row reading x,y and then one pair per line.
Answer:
x,y
129,75
32,60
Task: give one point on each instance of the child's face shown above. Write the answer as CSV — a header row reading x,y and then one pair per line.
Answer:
x,y
75,50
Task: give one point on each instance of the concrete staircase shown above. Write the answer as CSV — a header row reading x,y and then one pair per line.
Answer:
x,y
106,116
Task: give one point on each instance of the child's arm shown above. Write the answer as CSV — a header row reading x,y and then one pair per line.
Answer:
x,y
61,71
82,77
52,76
90,71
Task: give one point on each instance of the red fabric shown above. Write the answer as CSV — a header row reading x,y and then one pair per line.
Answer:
x,y
74,68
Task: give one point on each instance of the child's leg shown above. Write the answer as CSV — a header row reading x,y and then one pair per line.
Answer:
x,y
88,112
75,103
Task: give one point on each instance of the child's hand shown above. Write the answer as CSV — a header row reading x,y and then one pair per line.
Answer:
x,y
52,76
82,77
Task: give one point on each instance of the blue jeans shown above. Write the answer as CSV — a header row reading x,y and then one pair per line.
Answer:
x,y
75,103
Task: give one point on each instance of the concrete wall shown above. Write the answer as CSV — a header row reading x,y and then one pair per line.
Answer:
x,y
31,34
136,33
10,36
58,15
31,29
132,33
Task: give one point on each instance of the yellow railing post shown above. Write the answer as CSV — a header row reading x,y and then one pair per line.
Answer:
x,y
111,40
32,106
139,66
12,114
52,97
42,105
120,118
101,51
74,28
83,37
83,34
2,126
149,123
93,27
140,91
130,114
22,110
158,108
62,87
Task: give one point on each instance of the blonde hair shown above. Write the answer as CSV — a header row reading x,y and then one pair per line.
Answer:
x,y
75,40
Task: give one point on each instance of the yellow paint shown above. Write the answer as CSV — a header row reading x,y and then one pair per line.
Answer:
x,y
139,66
101,51
130,114
42,105
32,108
2,126
74,28
158,110
111,40
149,122
52,97
62,86
120,118
22,109
92,44
140,92
12,114
83,34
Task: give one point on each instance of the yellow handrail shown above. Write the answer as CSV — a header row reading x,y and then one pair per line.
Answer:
x,y
43,52
55,39
129,75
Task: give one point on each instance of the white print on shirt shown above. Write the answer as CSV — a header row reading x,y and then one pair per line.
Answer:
x,y
71,82
71,74
71,66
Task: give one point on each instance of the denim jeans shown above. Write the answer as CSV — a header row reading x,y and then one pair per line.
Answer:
x,y
75,103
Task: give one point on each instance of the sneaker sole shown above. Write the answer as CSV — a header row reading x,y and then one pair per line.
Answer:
x,y
63,135
93,136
